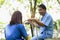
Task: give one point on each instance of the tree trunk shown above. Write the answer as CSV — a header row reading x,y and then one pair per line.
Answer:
x,y
32,10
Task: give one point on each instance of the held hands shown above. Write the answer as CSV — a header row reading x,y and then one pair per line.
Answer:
x,y
31,19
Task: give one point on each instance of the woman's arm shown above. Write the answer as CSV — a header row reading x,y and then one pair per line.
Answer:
x,y
23,32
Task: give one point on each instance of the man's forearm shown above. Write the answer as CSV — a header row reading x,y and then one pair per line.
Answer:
x,y
39,23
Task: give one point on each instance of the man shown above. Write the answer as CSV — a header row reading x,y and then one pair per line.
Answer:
x,y
45,24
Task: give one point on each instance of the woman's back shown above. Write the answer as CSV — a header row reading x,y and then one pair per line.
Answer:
x,y
15,32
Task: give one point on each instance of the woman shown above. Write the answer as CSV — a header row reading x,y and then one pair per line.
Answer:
x,y
15,29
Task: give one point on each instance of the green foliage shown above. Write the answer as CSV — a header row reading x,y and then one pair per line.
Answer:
x,y
2,2
47,0
39,1
2,23
8,3
58,1
48,7
2,39
55,25
58,21
19,0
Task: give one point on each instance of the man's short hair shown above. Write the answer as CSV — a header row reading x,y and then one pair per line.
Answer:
x,y
42,6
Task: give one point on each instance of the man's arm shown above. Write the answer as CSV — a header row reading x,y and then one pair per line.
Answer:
x,y
38,22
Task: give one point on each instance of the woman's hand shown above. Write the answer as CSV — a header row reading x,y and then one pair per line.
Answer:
x,y
27,38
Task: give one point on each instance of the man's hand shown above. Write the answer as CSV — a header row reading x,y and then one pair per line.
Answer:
x,y
32,19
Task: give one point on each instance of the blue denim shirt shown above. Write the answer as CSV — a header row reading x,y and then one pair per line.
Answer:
x,y
15,32
47,30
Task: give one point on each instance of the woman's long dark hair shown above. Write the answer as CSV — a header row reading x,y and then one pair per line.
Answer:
x,y
16,18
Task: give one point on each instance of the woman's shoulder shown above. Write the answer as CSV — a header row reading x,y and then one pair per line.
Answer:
x,y
20,25
14,25
7,25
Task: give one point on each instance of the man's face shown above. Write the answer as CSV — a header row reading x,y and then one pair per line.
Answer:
x,y
41,11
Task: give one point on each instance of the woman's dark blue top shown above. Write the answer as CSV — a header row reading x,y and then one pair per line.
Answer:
x,y
15,32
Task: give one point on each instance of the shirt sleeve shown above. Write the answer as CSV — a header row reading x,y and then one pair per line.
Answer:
x,y
23,31
46,21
